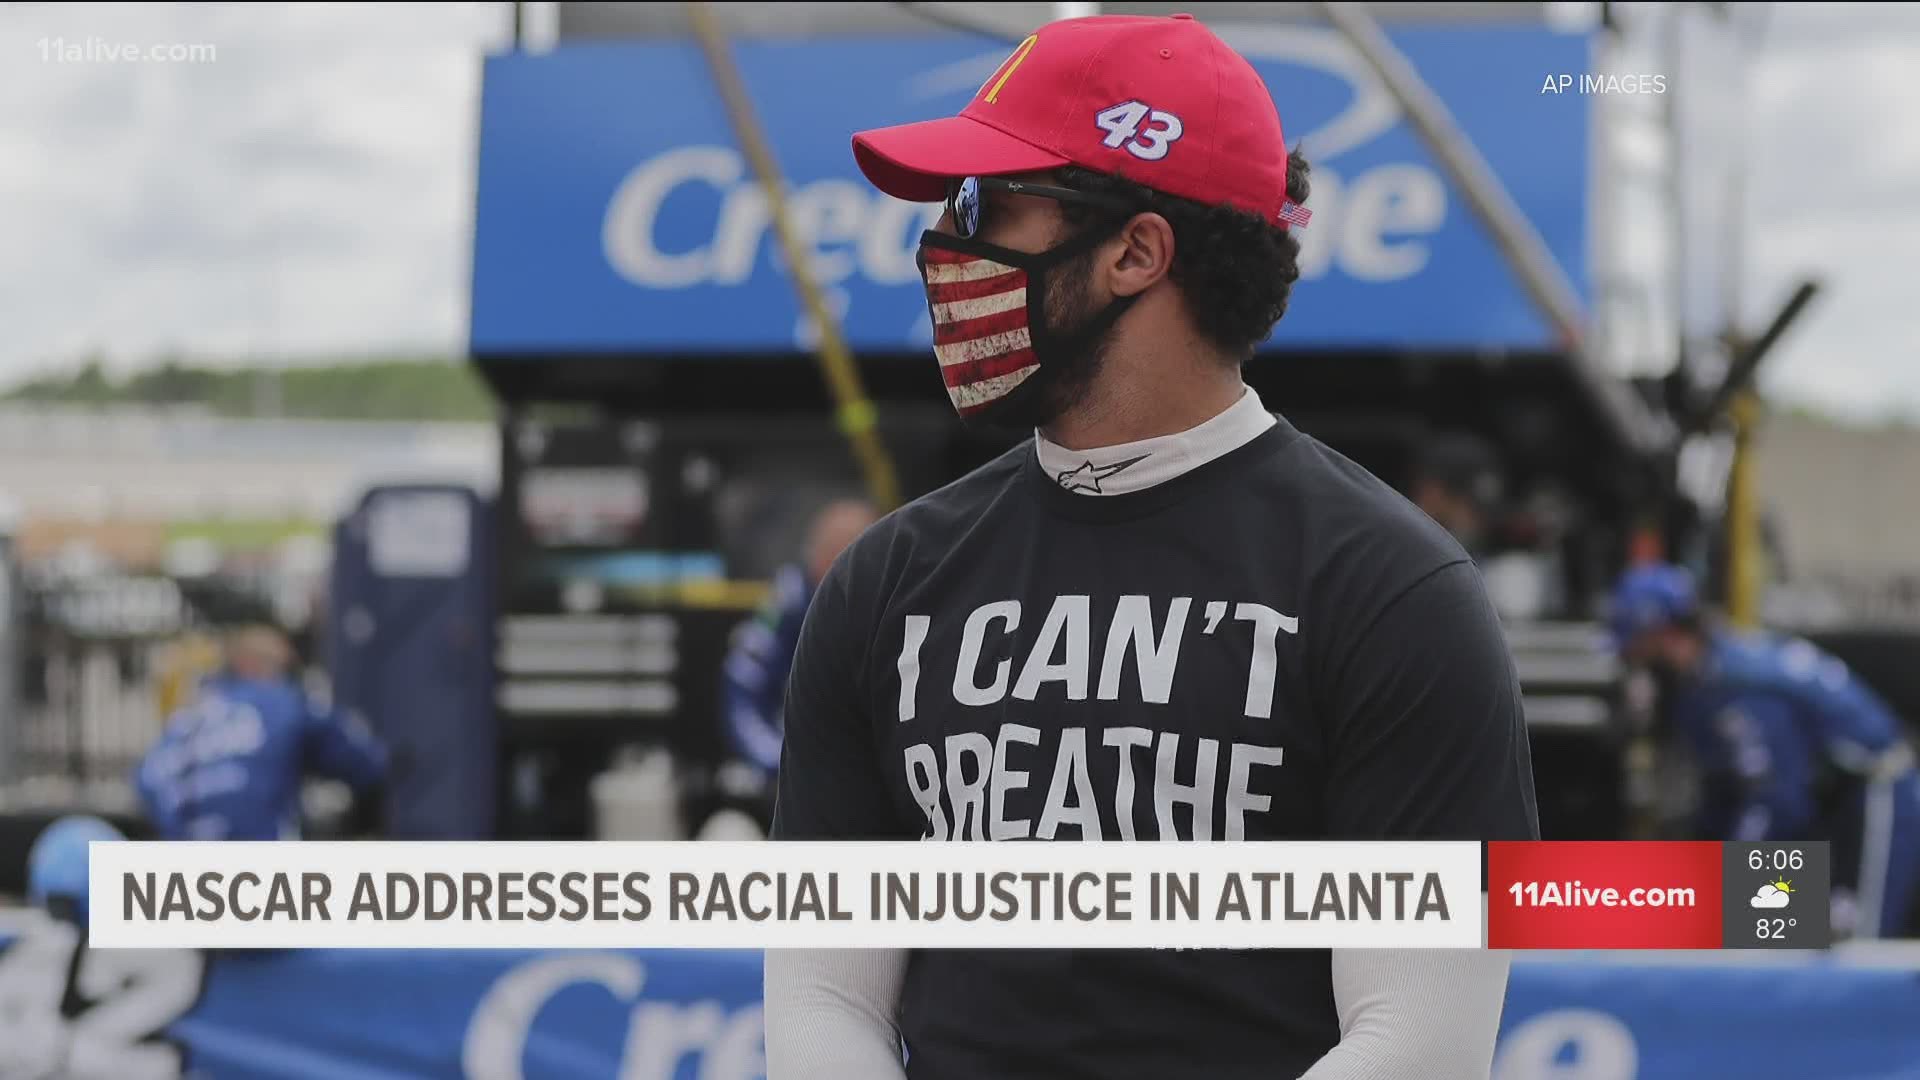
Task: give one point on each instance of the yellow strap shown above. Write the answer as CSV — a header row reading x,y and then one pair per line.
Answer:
x,y
1745,576
855,412
858,416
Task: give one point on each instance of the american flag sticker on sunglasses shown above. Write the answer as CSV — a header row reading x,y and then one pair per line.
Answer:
x,y
1294,215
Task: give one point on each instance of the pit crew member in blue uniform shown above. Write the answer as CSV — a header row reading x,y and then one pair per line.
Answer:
x,y
1791,745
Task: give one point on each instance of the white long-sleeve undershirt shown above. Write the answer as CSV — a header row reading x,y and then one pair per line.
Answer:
x,y
833,1014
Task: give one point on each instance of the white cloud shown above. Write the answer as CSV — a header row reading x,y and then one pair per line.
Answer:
x,y
307,190
1769,897
1836,193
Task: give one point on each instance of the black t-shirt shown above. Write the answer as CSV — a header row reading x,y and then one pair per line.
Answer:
x,y
1274,645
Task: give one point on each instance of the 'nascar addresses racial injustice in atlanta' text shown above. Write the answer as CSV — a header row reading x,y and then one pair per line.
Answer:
x,y
514,896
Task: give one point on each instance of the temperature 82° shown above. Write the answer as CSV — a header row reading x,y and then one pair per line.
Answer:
x,y
1774,929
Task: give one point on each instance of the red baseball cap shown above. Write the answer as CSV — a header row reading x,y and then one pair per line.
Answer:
x,y
1161,101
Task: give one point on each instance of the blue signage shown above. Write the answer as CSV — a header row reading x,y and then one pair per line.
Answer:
x,y
165,1014
617,215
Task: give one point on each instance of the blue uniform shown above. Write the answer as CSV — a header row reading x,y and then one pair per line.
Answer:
x,y
753,695
230,763
1795,748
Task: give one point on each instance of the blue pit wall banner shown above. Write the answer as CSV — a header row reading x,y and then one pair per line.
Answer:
x,y
616,215
158,1014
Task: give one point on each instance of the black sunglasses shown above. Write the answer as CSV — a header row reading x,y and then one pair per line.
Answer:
x,y
966,207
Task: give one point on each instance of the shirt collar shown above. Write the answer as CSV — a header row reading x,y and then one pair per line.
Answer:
x,y
1136,466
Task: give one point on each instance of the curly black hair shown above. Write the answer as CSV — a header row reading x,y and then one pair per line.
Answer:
x,y
1235,270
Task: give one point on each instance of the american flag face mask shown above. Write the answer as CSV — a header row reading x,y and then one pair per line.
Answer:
x,y
990,328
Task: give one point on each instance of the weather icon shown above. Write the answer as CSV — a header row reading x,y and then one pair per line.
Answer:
x,y
1773,896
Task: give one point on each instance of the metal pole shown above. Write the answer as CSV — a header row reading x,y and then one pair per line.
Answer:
x,y
1603,180
1745,543
1539,272
1738,398
1733,250
1746,361
1677,189
1749,39
12,654
1525,252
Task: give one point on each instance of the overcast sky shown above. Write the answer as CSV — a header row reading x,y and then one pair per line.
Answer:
x,y
309,191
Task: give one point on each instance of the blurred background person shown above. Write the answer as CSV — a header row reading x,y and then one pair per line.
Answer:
x,y
39,1038
1790,745
1458,482
754,677
229,765
57,866
187,660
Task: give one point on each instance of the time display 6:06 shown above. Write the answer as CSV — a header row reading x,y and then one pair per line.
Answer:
x,y
1777,859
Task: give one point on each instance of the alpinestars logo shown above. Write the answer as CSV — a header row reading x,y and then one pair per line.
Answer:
x,y
1088,476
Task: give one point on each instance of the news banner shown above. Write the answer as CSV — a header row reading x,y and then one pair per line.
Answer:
x,y
1237,895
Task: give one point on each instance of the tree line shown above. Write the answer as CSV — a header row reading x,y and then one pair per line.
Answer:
x,y
382,389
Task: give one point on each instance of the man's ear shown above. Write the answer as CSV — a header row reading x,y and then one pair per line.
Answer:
x,y
1142,254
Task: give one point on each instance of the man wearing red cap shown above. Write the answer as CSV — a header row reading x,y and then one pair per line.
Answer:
x,y
1169,616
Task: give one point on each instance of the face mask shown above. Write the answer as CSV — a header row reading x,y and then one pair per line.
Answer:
x,y
999,352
